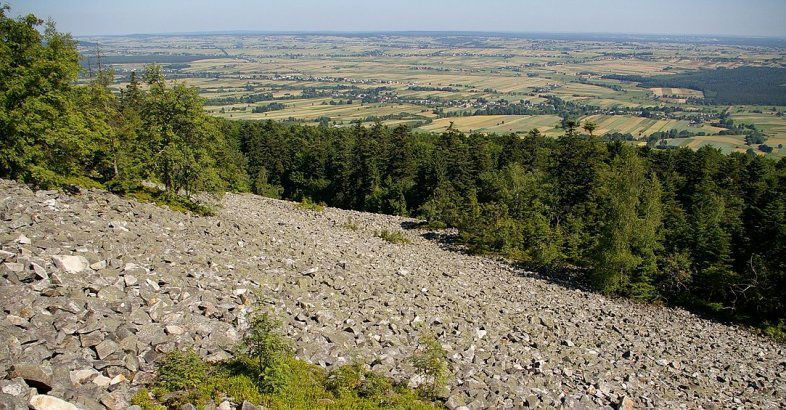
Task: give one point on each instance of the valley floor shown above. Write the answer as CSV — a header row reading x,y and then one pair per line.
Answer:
x,y
147,280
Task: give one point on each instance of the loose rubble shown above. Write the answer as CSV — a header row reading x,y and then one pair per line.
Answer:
x,y
94,288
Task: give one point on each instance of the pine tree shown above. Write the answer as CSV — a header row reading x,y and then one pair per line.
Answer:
x,y
625,260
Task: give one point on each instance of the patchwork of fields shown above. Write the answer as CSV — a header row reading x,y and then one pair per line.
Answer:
x,y
676,92
496,123
418,79
643,127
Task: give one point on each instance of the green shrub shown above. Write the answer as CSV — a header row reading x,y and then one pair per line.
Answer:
x,y
143,399
182,370
393,237
307,203
43,178
435,225
267,374
351,225
295,384
354,380
174,202
431,362
777,332
266,347
82,181
240,388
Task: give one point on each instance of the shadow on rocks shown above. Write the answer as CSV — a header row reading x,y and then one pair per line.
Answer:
x,y
447,239
450,240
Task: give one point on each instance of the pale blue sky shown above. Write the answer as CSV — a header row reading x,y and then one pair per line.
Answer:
x,y
734,17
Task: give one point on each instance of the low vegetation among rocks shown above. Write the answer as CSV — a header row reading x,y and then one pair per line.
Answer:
x,y
311,205
266,373
392,237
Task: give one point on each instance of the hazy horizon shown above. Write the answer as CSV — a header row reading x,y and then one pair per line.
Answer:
x,y
756,18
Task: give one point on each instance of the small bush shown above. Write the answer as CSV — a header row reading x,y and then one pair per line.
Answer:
x,y
393,237
182,371
240,388
355,380
266,373
266,347
351,225
430,361
435,225
777,332
43,178
307,203
143,399
174,202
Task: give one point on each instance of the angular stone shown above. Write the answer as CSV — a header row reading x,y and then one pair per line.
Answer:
x,y
44,402
34,375
247,406
17,320
14,266
625,404
71,263
120,378
455,401
15,387
102,381
115,400
130,280
40,272
91,339
106,348
82,376
111,294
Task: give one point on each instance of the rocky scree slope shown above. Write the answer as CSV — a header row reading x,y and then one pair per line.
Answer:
x,y
95,288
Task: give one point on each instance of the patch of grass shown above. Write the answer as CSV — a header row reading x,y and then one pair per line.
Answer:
x,y
433,225
777,332
143,399
307,203
351,225
266,373
182,371
83,182
393,237
174,202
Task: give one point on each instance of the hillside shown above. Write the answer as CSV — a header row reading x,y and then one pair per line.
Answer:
x,y
147,280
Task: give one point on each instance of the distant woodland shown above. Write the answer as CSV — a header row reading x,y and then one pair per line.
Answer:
x,y
693,228
741,85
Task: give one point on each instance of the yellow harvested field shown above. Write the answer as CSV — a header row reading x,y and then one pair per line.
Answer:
x,y
676,92
643,127
495,123
312,109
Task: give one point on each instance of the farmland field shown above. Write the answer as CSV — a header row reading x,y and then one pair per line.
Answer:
x,y
676,92
500,124
481,83
644,127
